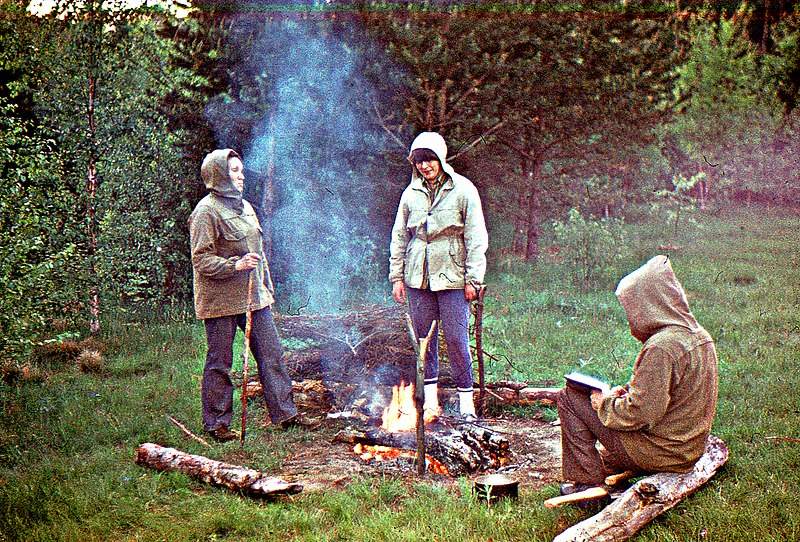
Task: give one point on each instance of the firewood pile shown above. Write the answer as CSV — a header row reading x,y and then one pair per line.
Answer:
x,y
372,344
461,448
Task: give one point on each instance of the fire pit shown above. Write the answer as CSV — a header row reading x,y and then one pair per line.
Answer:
x,y
453,447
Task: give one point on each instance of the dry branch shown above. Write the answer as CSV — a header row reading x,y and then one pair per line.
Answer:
x,y
646,499
187,432
210,471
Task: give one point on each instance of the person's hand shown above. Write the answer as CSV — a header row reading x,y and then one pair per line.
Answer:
x,y
597,399
470,292
618,391
399,291
248,262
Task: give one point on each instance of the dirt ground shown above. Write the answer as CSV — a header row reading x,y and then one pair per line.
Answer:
x,y
319,462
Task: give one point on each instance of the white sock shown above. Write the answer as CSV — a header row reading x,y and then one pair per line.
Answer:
x,y
465,403
431,396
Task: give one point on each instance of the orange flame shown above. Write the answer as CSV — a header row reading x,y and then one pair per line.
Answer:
x,y
368,452
401,414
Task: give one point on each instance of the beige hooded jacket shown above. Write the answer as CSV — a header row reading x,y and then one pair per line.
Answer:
x,y
222,228
448,235
666,417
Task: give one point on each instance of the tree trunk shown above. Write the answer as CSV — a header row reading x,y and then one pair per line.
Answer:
x,y
646,499
210,471
534,207
91,184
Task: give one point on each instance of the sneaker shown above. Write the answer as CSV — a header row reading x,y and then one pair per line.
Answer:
x,y
224,434
469,418
298,421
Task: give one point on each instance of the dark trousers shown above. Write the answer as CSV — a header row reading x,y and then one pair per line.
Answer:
x,y
452,310
266,347
581,429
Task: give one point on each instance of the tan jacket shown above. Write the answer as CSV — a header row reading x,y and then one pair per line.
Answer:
x,y
667,415
448,236
222,228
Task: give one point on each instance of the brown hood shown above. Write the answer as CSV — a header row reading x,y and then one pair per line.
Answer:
x,y
217,179
653,298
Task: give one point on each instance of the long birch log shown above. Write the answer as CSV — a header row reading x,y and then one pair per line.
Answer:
x,y
646,499
252,482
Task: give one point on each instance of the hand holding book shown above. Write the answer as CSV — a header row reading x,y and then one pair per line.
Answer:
x,y
585,383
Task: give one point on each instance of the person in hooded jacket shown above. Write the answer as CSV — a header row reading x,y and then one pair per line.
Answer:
x,y
228,264
661,419
438,261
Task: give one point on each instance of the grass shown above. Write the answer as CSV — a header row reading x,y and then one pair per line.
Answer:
x,y
67,442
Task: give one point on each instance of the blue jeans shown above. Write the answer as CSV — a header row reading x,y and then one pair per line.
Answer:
x,y
451,308
217,388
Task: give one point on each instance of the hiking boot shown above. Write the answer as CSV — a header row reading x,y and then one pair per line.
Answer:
x,y
224,434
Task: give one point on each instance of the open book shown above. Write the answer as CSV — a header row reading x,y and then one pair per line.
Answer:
x,y
585,383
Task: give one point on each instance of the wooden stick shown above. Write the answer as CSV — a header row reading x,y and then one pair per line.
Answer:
x,y
586,495
784,439
479,351
247,329
615,479
188,433
419,398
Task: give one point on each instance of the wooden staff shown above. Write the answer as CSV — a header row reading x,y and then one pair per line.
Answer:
x,y
247,329
421,348
479,351
419,398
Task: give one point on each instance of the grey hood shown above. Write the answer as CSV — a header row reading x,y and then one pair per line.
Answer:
x,y
214,172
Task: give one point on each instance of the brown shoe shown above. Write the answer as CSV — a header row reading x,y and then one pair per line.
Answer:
x,y
224,434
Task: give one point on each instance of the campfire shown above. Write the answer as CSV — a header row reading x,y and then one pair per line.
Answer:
x,y
401,414
452,447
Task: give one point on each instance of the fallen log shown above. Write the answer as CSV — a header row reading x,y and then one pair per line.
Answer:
x,y
646,499
249,481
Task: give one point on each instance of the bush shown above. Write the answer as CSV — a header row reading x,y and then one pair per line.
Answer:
x,y
591,248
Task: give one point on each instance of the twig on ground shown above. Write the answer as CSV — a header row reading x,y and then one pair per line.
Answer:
x,y
188,433
784,439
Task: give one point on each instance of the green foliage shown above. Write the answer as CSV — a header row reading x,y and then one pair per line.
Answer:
x,y
591,248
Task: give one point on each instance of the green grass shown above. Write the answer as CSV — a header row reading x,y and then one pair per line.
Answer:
x,y
67,443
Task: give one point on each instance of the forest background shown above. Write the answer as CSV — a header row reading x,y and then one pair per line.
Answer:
x,y
569,117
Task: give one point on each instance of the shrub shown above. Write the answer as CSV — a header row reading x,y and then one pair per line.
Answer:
x,y
590,248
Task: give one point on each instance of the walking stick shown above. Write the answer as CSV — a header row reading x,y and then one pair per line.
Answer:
x,y
479,351
419,390
247,328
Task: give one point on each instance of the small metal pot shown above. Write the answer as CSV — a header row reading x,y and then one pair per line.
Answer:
x,y
494,487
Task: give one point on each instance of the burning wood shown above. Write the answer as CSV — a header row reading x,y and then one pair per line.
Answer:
x,y
461,450
379,453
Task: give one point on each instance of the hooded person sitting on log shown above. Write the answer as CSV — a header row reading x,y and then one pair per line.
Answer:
x,y
438,261
661,419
